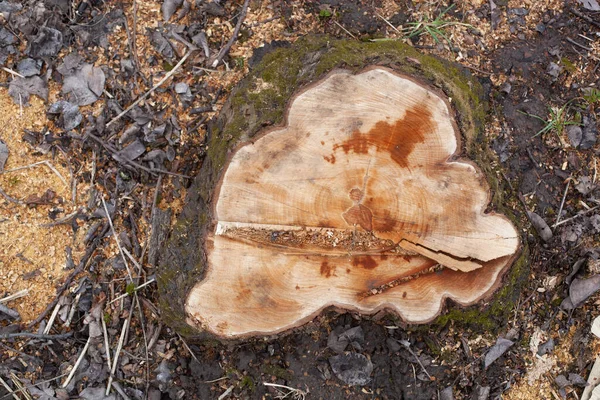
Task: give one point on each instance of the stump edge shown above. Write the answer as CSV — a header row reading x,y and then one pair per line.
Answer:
x,y
283,72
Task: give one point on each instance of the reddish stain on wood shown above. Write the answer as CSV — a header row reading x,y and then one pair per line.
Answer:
x,y
326,269
399,138
330,159
366,262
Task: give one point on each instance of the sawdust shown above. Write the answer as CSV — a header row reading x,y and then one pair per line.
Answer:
x,y
539,380
32,256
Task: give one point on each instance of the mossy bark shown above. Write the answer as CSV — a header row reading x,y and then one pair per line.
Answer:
x,y
260,99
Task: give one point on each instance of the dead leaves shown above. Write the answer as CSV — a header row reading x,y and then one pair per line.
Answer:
x,y
85,85
20,89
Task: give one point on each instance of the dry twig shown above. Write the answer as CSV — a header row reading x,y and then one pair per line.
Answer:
x,y
225,49
118,350
80,267
562,203
14,296
35,164
31,335
149,92
345,30
112,228
584,17
79,359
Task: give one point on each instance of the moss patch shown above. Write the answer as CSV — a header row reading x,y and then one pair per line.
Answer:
x,y
260,100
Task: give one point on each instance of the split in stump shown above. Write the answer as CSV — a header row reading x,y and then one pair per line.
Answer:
x,y
357,203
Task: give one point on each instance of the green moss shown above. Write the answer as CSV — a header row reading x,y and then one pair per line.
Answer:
x,y
568,65
433,347
277,371
492,317
247,382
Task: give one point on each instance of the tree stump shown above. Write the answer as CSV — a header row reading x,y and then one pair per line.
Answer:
x,y
359,201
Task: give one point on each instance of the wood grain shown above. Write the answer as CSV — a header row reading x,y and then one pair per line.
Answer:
x,y
372,153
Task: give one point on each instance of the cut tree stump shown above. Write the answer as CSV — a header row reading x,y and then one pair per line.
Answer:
x,y
359,202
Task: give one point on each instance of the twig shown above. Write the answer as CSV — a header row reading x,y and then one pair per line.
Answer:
x,y
148,93
49,165
112,228
132,46
79,359
156,333
31,335
36,384
406,344
296,393
390,24
217,380
134,30
67,219
578,44
119,390
476,69
73,309
35,164
180,39
585,17
155,198
82,264
106,346
24,167
226,393
146,350
9,311
209,70
133,260
225,49
131,163
9,198
10,71
52,318
575,216
14,296
562,203
345,30
118,351
12,392
135,290
188,348
154,203
114,154
265,21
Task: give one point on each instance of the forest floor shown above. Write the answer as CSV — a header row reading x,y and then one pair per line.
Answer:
x,y
79,184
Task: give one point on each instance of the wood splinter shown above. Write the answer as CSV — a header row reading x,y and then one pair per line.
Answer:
x,y
355,203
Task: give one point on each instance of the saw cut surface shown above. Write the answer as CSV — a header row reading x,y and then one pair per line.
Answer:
x,y
358,202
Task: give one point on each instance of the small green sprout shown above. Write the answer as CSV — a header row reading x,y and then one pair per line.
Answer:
x,y
434,28
325,14
247,382
591,95
556,122
130,289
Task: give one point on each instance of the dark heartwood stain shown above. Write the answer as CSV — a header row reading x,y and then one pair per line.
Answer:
x,y
366,262
399,138
326,269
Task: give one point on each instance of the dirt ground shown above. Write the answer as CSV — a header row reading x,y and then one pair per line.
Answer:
x,y
71,165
